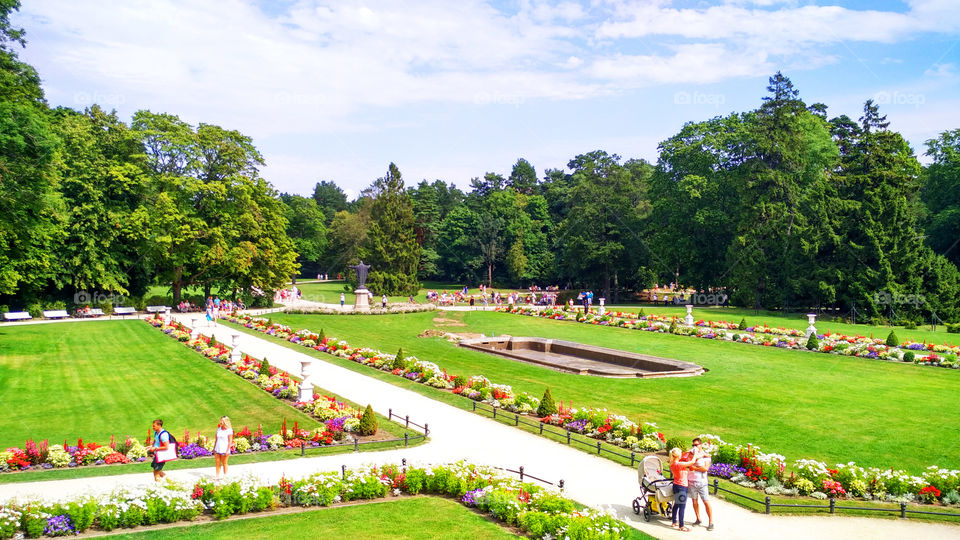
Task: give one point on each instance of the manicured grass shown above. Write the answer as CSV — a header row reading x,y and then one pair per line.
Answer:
x,y
426,518
799,321
802,405
328,292
97,379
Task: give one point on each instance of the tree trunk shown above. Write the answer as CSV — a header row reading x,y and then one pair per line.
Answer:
x,y
616,289
490,275
177,285
606,284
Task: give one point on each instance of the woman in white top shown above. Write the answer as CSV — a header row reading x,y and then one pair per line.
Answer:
x,y
221,449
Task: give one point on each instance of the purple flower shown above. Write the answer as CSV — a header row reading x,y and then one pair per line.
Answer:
x,y
916,347
59,526
193,450
577,425
470,497
725,470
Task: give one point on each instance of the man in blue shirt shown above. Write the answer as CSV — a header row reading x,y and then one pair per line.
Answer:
x,y
161,441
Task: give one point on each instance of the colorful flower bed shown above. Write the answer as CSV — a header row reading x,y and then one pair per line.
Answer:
x,y
755,467
539,512
927,354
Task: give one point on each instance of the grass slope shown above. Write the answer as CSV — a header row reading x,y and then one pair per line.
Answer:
x,y
796,403
97,379
424,518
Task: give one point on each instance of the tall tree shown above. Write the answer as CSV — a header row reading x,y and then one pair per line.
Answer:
x,y
941,194
330,198
602,226
305,227
523,177
780,228
391,247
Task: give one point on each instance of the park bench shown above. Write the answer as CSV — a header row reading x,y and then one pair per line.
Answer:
x,y
55,314
95,312
16,316
124,310
157,309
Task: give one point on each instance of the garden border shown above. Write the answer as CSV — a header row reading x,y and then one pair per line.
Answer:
x,y
832,506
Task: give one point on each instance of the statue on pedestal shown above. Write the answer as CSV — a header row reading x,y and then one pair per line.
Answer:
x,y
361,270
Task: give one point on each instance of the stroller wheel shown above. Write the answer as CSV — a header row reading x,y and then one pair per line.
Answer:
x,y
636,506
646,513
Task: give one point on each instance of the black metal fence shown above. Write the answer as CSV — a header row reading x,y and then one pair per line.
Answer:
x,y
570,437
832,505
574,439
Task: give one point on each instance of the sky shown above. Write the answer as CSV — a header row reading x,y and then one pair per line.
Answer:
x,y
451,90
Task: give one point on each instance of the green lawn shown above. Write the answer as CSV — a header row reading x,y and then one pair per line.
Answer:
x,y
799,321
802,405
426,518
97,379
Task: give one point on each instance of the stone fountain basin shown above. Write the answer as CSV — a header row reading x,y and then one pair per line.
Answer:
x,y
582,359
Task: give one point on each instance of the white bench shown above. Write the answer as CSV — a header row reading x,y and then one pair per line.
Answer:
x,y
124,310
95,312
55,314
16,316
157,309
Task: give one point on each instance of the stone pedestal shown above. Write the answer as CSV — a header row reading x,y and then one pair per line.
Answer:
x,y
194,328
167,317
602,309
235,354
306,387
362,301
688,320
811,319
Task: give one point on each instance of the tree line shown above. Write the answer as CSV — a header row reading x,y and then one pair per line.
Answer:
x,y
780,207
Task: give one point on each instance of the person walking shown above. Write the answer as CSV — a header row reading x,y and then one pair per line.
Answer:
x,y
223,445
161,443
699,487
383,301
680,472
343,298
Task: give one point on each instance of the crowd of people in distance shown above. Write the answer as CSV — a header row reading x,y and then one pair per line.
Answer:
x,y
487,297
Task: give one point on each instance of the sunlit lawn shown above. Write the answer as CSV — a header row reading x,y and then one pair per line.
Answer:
x,y
796,403
96,379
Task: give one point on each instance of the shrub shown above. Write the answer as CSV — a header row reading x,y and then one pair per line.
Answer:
x,y
676,442
368,422
547,405
743,324
892,340
264,367
322,337
459,381
813,343
908,356
398,361
953,328
910,325
673,326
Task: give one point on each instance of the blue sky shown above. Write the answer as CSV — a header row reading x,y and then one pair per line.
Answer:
x,y
450,90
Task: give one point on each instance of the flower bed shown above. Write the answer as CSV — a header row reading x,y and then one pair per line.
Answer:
x,y
927,354
537,511
596,423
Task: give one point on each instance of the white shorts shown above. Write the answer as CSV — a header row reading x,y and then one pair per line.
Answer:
x,y
699,490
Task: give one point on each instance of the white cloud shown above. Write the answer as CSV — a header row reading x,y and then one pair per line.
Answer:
x,y
321,67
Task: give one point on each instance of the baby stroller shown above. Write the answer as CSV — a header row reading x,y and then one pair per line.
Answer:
x,y
657,496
